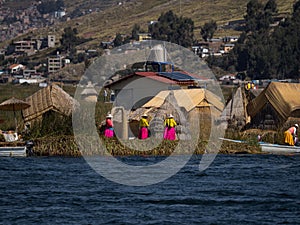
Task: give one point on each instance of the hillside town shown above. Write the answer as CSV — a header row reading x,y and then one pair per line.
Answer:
x,y
149,112
34,15
55,56
54,64
17,22
18,66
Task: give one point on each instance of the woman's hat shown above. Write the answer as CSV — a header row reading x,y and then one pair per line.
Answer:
x,y
109,116
171,116
144,115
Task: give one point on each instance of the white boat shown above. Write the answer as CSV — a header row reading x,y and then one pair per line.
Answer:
x,y
275,148
270,148
18,151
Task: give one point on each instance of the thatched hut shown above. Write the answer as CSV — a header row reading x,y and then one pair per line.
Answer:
x,y
274,106
235,114
184,104
50,98
189,99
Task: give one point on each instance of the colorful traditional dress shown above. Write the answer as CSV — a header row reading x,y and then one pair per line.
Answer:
x,y
109,130
289,136
170,131
143,134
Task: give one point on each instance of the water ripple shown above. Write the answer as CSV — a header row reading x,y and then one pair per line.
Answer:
x,y
254,189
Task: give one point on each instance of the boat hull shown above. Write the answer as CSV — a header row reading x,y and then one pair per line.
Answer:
x,y
270,148
275,148
15,151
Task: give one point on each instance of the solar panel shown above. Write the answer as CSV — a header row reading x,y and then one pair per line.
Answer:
x,y
178,76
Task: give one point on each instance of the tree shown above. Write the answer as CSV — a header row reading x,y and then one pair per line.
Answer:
x,y
270,10
170,27
118,41
208,30
271,7
256,51
287,37
135,31
253,15
87,63
69,40
240,54
50,6
23,60
10,49
296,8
59,4
81,57
268,52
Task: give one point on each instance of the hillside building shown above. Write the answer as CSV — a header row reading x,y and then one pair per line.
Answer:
x,y
54,64
51,41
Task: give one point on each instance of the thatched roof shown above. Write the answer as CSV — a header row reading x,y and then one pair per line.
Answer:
x,y
50,98
255,92
235,107
283,97
188,99
170,101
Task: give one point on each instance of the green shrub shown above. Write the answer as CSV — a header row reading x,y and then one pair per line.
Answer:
x,y
52,124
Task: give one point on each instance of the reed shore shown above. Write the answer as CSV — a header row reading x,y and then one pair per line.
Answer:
x,y
67,146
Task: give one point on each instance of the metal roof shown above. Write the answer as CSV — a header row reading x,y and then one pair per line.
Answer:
x,y
177,75
153,75
157,77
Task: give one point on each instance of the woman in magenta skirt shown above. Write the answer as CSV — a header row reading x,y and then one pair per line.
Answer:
x,y
170,131
109,129
143,133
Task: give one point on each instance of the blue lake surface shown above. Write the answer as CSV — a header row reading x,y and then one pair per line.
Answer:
x,y
235,189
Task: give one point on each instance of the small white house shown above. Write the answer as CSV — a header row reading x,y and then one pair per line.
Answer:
x,y
67,61
60,13
16,67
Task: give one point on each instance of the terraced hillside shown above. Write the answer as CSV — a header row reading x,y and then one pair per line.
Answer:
x,y
105,18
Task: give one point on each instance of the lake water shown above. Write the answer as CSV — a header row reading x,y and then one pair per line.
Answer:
x,y
235,189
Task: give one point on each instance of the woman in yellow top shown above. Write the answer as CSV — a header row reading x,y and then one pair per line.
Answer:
x,y
143,134
170,131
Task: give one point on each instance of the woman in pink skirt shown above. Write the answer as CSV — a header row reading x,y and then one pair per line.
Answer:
x,y
109,129
170,131
143,134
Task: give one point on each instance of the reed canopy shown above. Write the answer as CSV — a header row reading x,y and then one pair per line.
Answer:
x,y
49,98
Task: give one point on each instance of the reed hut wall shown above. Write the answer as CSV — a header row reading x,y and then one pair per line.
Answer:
x,y
274,105
203,115
295,113
198,115
134,128
235,108
266,119
199,107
